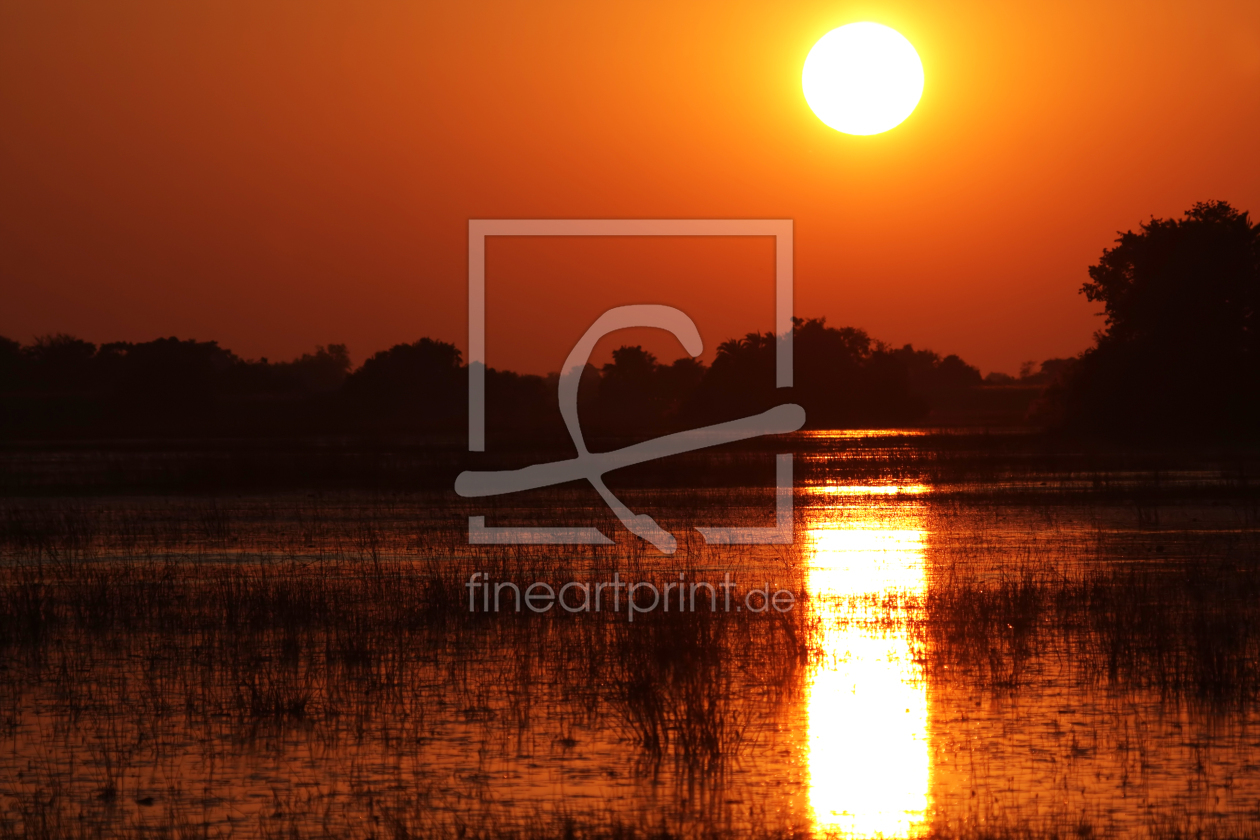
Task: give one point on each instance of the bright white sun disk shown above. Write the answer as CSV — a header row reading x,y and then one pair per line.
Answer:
x,y
863,78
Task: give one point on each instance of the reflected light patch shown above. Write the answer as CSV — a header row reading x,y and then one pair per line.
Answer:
x,y
870,490
859,434
868,744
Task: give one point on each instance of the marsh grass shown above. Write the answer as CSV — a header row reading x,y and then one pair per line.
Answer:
x,y
1189,629
151,646
115,650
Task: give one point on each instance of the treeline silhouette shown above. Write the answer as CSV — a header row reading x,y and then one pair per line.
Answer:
x,y
63,386
1179,356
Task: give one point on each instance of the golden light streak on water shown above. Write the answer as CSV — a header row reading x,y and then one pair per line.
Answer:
x,y
871,489
868,745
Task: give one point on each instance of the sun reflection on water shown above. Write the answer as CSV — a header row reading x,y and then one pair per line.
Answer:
x,y
868,747
870,489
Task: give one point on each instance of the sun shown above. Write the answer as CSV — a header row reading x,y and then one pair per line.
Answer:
x,y
863,78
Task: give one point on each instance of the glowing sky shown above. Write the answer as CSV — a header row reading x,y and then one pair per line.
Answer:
x,y
280,174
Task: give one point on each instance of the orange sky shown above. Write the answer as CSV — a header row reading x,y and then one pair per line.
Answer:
x,y
280,173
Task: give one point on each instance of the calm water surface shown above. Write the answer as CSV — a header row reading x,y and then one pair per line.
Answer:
x,y
863,743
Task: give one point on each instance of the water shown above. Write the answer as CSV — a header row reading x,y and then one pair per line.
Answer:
x,y
531,721
891,754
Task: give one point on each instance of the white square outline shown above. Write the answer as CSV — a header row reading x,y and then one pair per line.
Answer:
x,y
479,229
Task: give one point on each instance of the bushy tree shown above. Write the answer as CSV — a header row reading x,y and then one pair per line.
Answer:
x,y
60,362
1180,350
166,372
842,377
930,374
421,384
320,372
11,364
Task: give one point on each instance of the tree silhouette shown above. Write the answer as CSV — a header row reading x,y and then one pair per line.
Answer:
x,y
323,371
1180,352
167,373
11,364
843,379
411,385
930,374
630,395
60,362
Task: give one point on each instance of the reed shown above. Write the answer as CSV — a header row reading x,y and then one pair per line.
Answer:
x,y
151,647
